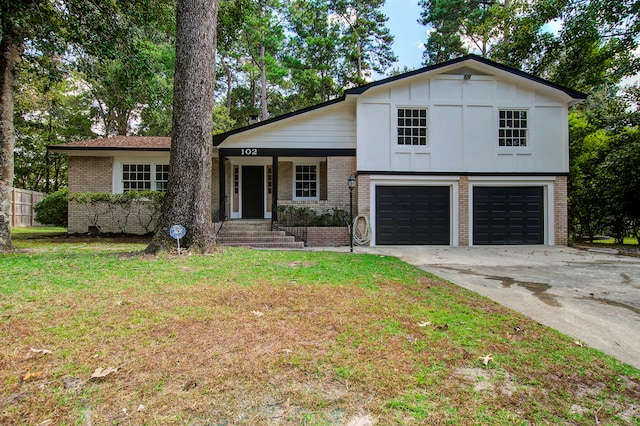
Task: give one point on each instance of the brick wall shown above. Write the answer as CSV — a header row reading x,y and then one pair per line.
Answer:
x,y
363,192
285,183
561,231
334,191
327,236
87,174
338,171
463,211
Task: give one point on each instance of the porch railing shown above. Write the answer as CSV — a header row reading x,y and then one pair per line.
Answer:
x,y
220,215
293,223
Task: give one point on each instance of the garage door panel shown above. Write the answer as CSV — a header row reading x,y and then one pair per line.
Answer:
x,y
412,215
508,215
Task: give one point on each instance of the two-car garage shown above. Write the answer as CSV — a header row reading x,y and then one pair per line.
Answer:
x,y
426,214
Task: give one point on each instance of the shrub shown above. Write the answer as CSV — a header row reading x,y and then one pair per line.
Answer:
x,y
113,211
53,209
289,215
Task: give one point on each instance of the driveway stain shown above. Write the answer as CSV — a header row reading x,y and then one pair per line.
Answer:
x,y
539,290
612,303
626,279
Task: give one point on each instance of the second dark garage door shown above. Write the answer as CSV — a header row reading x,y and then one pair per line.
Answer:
x,y
408,215
508,215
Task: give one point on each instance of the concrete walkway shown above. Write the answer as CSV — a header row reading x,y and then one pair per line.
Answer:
x,y
592,296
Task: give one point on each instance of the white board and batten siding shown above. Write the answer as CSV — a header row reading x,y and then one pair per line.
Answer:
x,y
462,120
327,128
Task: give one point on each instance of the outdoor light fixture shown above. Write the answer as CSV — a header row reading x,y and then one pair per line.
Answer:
x,y
467,77
351,182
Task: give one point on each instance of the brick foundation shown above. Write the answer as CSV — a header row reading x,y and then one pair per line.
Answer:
x,y
327,236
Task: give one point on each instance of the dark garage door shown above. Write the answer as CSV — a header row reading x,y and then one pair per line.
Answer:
x,y
508,215
407,215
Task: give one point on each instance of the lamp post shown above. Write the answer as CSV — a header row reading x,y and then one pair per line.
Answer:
x,y
351,182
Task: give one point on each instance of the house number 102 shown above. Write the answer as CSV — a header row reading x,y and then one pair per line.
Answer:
x,y
249,151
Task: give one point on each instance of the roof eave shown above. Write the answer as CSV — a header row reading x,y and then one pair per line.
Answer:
x,y
575,95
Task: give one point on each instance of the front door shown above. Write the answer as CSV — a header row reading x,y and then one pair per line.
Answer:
x,y
252,192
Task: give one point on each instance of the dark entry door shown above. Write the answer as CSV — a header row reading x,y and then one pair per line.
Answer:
x,y
508,215
252,192
408,215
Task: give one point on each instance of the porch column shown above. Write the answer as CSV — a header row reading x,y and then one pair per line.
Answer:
x,y
274,188
222,184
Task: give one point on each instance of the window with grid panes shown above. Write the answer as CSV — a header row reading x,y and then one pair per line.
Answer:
x,y
306,181
162,177
512,128
412,126
139,177
136,177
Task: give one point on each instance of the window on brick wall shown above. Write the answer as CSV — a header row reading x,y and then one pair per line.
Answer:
x,y
305,183
138,177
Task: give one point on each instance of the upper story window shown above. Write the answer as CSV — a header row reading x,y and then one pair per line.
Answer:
x,y
513,127
138,177
412,126
306,182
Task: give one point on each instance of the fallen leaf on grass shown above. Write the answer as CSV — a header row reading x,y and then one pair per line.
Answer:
x,y
31,376
35,352
257,313
485,359
424,324
100,372
578,343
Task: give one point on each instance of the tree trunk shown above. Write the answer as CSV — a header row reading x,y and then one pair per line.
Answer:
x,y
188,198
9,56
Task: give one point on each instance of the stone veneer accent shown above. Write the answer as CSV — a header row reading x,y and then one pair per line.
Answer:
x,y
561,231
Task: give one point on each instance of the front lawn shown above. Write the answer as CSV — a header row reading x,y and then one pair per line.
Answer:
x,y
272,337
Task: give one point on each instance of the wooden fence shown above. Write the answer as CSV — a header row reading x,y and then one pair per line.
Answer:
x,y
22,204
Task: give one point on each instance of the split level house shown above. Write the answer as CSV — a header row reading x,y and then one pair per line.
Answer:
x,y
466,152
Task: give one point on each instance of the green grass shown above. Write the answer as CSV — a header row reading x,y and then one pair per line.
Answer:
x,y
626,241
265,337
37,232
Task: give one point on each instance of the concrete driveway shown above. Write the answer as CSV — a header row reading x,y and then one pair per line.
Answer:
x,y
592,296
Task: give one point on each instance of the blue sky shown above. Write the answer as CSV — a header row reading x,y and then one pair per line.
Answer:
x,y
403,24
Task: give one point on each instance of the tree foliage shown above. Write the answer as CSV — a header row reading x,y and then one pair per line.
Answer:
x,y
593,46
604,181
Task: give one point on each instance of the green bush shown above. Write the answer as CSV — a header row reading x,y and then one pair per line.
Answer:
x,y
53,209
289,215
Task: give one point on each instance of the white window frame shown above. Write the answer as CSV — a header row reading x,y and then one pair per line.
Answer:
x,y
118,172
295,181
506,128
411,126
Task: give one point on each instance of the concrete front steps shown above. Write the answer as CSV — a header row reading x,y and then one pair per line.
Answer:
x,y
255,233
